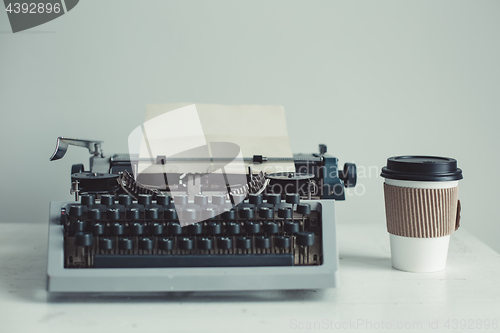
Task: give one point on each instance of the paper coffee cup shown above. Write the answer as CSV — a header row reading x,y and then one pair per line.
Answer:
x,y
422,210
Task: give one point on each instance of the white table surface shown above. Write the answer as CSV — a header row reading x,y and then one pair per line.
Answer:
x,y
372,295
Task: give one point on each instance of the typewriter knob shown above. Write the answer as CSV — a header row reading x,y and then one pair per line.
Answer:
x,y
305,238
204,243
152,213
144,199
271,227
117,228
304,209
107,199
262,242
98,229
266,212
146,243
133,214
229,215
246,213
113,214
106,243
170,213
322,149
88,199
200,199
195,228
273,198
291,227
233,228
185,243
285,212
181,199
224,243
349,175
76,210
137,228
166,244
125,200
255,199
208,212
218,199
174,228
95,214
292,198
244,243
282,242
252,227
84,239
162,199
214,228
125,243
156,228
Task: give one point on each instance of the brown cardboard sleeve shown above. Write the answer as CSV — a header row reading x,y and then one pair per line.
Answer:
x,y
421,212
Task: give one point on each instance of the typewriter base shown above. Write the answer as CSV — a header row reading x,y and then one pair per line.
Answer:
x,y
60,279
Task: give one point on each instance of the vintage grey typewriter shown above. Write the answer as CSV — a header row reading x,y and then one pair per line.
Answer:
x,y
125,234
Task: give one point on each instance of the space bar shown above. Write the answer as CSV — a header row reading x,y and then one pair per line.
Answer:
x,y
187,260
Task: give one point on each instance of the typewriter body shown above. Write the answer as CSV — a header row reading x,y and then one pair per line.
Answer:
x,y
127,234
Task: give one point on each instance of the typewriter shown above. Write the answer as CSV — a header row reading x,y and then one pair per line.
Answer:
x,y
124,233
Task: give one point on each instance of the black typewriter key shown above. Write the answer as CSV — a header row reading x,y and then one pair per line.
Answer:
x,y
174,228
292,198
195,229
291,227
255,199
166,244
106,243
190,214
244,243
305,238
162,199
113,214
170,213
282,242
137,228
75,210
117,228
266,212
125,243
84,239
204,243
200,199
262,242
208,213
156,228
252,227
185,243
181,199
146,244
87,199
95,214
229,215
107,199
304,208
133,214
218,199
144,199
237,198
273,199
98,229
233,228
224,243
152,213
125,200
246,213
271,227
285,212
214,228
79,226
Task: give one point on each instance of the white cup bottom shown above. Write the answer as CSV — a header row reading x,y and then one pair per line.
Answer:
x,y
419,255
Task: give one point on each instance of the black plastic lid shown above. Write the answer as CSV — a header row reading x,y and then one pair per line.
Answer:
x,y
422,168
